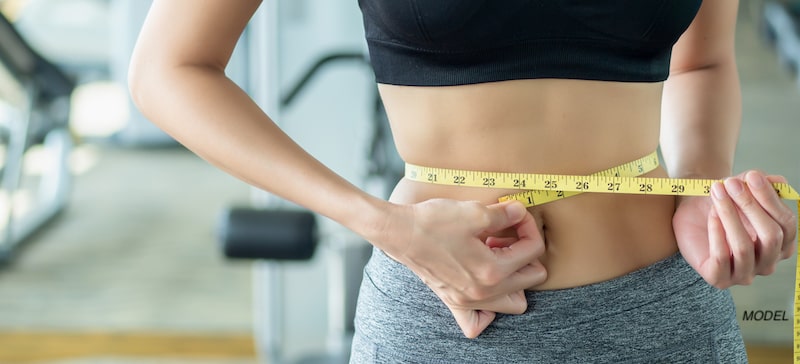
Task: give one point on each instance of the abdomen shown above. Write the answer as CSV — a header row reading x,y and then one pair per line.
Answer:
x,y
545,126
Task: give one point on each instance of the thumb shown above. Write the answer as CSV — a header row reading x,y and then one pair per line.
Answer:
x,y
777,179
505,214
472,322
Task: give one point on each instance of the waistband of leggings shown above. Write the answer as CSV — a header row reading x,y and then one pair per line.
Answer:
x,y
652,283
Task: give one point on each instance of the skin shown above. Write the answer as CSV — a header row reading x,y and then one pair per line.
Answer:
x,y
478,255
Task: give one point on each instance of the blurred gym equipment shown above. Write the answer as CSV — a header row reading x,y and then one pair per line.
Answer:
x,y
780,26
35,141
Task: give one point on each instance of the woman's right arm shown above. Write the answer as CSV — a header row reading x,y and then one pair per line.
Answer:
x,y
177,79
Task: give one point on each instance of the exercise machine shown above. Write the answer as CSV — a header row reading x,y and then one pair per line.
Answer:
x,y
780,27
35,141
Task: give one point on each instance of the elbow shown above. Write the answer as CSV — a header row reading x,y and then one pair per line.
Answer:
x,y
725,63
151,79
139,82
146,74
723,74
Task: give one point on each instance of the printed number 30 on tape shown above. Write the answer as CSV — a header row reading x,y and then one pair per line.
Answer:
x,y
538,189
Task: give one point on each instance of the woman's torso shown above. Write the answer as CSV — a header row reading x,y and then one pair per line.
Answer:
x,y
545,126
563,87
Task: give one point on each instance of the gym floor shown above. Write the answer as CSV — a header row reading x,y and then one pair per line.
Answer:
x,y
131,273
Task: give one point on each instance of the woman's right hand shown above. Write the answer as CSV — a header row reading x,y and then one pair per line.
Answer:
x,y
445,245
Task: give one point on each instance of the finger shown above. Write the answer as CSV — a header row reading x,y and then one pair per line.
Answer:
x,y
739,242
777,179
515,302
762,189
504,215
499,241
472,322
717,268
504,296
528,247
786,219
769,234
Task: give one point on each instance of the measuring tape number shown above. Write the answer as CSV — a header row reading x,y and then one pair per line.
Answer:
x,y
537,189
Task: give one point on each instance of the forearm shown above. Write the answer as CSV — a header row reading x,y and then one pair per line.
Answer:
x,y
205,111
701,118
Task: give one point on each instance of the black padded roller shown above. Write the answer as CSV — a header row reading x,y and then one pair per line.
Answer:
x,y
248,233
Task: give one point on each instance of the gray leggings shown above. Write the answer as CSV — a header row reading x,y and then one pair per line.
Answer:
x,y
664,313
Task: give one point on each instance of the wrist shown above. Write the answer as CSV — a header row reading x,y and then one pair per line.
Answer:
x,y
374,220
681,199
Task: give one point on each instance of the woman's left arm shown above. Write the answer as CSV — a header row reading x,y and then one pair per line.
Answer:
x,y
743,229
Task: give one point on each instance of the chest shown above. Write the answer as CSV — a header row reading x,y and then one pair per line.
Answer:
x,y
454,23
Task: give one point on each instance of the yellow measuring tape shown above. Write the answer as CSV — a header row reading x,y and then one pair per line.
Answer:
x,y
538,189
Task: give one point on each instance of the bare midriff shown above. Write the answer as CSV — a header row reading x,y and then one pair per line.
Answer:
x,y
545,126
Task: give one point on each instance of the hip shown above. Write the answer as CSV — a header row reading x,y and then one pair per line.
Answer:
x,y
664,312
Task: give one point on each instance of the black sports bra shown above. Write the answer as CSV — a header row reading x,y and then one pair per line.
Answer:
x,y
454,42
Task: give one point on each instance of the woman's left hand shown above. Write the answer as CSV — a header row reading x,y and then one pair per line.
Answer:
x,y
742,230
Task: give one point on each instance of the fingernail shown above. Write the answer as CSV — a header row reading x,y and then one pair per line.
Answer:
x,y
718,191
756,180
734,186
515,211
